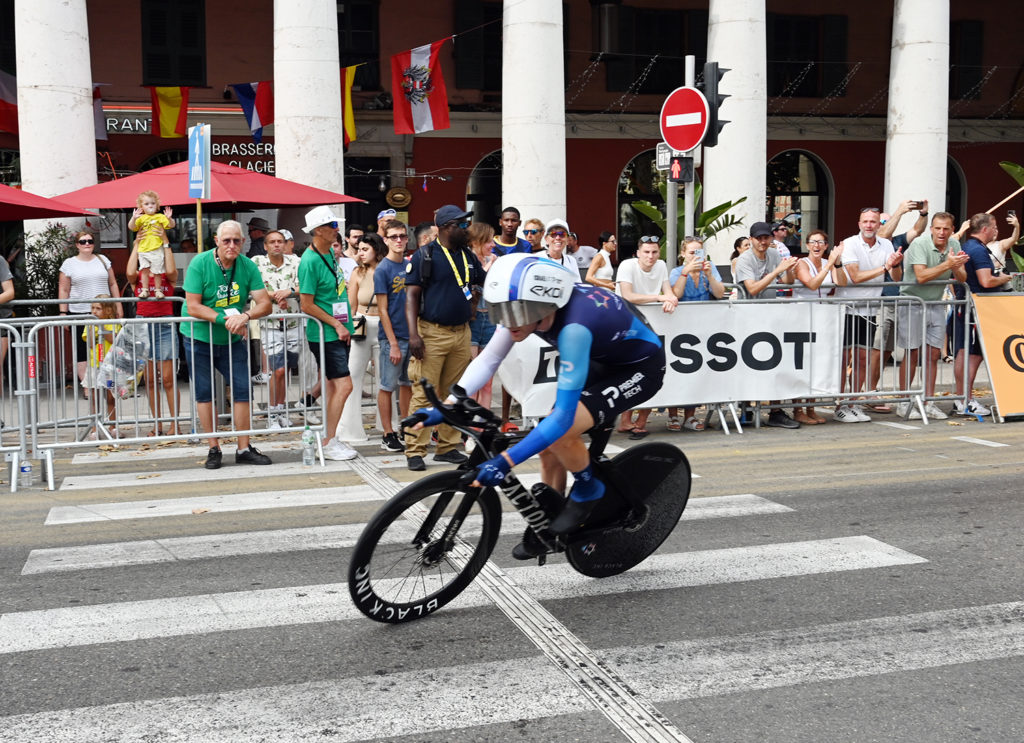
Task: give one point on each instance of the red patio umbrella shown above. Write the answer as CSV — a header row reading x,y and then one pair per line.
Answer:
x,y
231,188
16,204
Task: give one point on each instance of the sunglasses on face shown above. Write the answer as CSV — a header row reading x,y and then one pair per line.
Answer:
x,y
650,239
530,232
332,225
396,237
462,225
86,242
558,234
230,240
816,242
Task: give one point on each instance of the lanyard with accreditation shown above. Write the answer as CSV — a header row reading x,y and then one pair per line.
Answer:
x,y
340,308
463,284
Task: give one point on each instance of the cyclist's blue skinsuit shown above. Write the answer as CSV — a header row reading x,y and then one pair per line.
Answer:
x,y
594,326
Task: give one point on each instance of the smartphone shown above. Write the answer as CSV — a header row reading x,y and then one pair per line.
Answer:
x,y
916,204
699,254
1011,212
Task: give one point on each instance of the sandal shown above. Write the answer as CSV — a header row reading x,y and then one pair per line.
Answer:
x,y
508,427
692,424
674,424
638,434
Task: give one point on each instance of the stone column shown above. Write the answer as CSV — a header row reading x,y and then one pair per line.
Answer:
x,y
736,166
917,123
55,110
308,135
533,135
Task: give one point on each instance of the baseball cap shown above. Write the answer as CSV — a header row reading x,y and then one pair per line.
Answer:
x,y
287,234
450,213
317,216
557,222
758,229
386,213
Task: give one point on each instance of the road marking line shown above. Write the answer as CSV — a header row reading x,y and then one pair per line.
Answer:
x,y
981,442
375,707
198,474
147,509
221,612
901,426
173,549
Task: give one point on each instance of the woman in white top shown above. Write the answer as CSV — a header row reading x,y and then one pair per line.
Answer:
x,y
84,277
600,272
817,276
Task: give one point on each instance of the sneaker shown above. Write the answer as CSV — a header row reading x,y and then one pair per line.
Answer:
x,y
573,516
213,459
390,442
779,419
908,411
976,408
452,456
261,378
845,414
311,417
959,408
284,421
274,423
339,451
934,411
415,463
252,455
858,411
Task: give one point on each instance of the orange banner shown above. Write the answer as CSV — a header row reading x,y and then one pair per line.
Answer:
x,y
1001,322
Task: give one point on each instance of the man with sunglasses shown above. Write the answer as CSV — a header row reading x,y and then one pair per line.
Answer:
x,y
533,230
439,302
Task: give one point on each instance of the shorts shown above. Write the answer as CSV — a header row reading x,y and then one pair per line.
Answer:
x,y
908,325
393,375
885,334
230,360
955,328
611,390
481,329
163,341
276,341
287,357
153,260
858,331
335,358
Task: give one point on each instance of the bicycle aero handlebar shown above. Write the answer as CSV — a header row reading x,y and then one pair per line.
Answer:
x,y
463,414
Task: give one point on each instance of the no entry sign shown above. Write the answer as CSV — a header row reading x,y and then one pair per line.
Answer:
x,y
684,119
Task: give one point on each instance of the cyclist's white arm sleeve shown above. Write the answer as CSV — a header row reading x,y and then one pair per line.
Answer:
x,y
483,366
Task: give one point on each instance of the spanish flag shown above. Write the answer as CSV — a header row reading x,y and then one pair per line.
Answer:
x,y
170,111
348,119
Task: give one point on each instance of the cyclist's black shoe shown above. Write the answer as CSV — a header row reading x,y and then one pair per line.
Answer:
x,y
572,516
530,547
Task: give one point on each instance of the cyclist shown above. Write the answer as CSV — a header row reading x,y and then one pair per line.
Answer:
x,y
610,361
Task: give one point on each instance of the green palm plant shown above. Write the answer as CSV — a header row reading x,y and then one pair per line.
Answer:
x,y
707,222
1016,172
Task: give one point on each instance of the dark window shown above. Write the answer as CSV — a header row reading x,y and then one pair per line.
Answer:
x,y
645,32
359,41
7,63
965,70
806,55
797,193
174,43
477,54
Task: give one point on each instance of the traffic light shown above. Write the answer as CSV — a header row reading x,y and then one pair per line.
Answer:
x,y
712,74
680,169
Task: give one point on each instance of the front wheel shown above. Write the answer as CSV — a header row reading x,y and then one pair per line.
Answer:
x,y
423,548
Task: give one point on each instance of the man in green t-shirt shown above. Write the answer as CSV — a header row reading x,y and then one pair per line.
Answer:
x,y
323,295
930,261
218,285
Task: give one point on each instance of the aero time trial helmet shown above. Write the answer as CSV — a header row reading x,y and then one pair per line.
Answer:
x,y
521,289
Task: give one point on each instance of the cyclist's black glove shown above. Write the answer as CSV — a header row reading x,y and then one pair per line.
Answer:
x,y
493,471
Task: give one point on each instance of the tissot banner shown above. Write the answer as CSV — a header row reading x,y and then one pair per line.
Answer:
x,y
716,352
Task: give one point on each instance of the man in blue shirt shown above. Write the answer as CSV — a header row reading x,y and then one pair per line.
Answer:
x,y
393,333
507,241
439,301
981,279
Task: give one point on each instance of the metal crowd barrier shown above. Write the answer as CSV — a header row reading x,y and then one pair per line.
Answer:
x,y
49,408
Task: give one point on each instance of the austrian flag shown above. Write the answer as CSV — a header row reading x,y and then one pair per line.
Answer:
x,y
417,87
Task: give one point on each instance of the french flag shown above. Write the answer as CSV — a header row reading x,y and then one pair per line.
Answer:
x,y
257,100
418,90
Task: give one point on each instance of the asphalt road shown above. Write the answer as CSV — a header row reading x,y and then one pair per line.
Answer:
x,y
841,582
